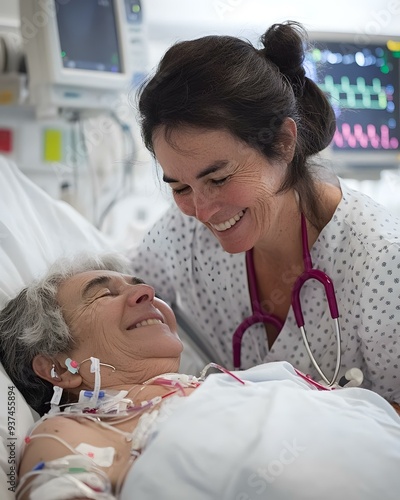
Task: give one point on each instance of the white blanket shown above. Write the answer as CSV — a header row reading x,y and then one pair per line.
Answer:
x,y
275,438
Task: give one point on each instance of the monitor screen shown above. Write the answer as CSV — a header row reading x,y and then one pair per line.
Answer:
x,y
88,35
362,81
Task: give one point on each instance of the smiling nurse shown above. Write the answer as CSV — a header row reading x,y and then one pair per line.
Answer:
x,y
235,130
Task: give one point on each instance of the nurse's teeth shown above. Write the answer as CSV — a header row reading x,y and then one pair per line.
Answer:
x,y
228,223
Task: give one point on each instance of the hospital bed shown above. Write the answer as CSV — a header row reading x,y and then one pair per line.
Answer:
x,y
35,230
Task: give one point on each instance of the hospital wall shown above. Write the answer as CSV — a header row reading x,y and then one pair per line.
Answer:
x,y
176,19
167,21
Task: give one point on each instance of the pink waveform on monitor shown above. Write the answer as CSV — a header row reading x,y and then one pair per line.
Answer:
x,y
359,137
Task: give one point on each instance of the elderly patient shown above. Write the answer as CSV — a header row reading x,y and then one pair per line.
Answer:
x,y
96,354
51,331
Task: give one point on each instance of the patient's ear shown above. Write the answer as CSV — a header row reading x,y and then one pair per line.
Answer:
x,y
50,370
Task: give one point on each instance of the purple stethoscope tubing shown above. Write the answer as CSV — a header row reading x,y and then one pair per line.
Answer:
x,y
258,316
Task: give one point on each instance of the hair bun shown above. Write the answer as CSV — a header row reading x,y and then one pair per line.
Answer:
x,y
284,45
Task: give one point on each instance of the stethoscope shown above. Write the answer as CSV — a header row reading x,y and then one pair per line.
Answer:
x,y
259,316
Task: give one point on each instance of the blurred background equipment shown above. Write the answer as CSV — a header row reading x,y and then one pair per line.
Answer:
x,y
69,71
361,76
81,55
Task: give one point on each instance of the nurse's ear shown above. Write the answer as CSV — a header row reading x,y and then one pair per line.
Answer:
x,y
287,139
52,371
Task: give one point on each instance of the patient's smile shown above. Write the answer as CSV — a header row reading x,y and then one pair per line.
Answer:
x,y
146,322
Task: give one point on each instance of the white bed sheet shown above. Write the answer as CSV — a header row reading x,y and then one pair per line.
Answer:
x,y
225,441
275,438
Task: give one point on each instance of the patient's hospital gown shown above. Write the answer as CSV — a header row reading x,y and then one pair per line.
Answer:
x,y
275,438
359,249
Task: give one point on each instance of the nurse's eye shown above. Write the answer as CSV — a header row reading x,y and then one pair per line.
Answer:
x,y
181,190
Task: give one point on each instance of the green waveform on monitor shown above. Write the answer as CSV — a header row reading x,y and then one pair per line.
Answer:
x,y
356,96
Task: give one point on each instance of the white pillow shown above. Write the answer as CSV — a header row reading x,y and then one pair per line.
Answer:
x,y
35,230
16,418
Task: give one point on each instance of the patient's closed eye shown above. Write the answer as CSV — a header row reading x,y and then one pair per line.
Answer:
x,y
106,293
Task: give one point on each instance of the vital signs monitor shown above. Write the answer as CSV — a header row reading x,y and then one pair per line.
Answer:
x,y
361,76
80,54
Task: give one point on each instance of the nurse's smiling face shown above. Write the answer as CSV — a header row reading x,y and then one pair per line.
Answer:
x,y
117,319
224,183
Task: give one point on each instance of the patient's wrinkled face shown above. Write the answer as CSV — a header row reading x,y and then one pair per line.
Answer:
x,y
117,319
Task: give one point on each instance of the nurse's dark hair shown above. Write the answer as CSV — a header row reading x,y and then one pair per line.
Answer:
x,y
224,82
32,323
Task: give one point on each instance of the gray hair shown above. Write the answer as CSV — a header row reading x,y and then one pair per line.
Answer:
x,y
32,323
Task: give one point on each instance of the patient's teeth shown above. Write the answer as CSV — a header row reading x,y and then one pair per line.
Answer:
x,y
147,322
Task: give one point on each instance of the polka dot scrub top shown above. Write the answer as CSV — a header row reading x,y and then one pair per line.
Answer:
x,y
359,249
